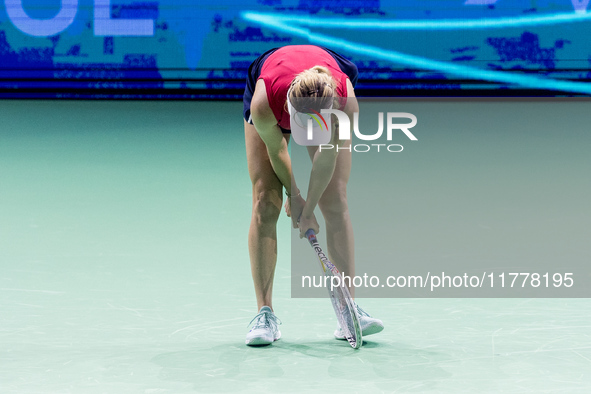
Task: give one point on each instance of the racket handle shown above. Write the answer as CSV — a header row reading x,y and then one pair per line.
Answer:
x,y
311,235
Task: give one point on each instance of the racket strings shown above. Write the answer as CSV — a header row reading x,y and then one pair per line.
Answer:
x,y
342,302
346,322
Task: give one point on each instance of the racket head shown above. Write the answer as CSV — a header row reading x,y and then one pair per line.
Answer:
x,y
340,297
346,313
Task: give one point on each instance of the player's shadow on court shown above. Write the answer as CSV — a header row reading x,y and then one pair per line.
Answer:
x,y
376,360
235,364
241,367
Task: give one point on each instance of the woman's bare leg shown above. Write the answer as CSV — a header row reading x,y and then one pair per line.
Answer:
x,y
267,198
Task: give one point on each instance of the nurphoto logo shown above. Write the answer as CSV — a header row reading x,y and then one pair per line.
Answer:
x,y
314,129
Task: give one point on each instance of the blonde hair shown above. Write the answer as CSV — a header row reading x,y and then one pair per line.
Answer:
x,y
313,88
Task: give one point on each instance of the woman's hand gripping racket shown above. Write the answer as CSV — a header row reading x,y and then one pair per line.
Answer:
x,y
339,295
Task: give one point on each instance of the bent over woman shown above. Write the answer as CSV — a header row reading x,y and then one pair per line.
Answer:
x,y
295,72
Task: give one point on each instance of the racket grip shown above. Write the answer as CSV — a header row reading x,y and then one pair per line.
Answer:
x,y
311,235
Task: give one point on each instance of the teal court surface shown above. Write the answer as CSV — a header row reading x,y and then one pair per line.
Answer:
x,y
124,269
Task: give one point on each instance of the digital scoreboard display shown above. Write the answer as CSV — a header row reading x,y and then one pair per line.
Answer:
x,y
183,49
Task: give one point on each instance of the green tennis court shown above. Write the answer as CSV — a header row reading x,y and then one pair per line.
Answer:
x,y
124,269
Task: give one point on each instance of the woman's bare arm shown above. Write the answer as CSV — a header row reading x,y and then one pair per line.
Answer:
x,y
323,166
267,127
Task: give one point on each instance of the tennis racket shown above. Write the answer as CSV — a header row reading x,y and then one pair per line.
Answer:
x,y
339,295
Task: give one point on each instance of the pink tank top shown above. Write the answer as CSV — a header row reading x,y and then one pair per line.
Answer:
x,y
281,67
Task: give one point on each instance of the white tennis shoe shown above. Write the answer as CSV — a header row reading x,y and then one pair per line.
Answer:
x,y
369,325
264,331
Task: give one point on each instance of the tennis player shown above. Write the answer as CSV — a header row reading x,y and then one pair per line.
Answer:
x,y
295,72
